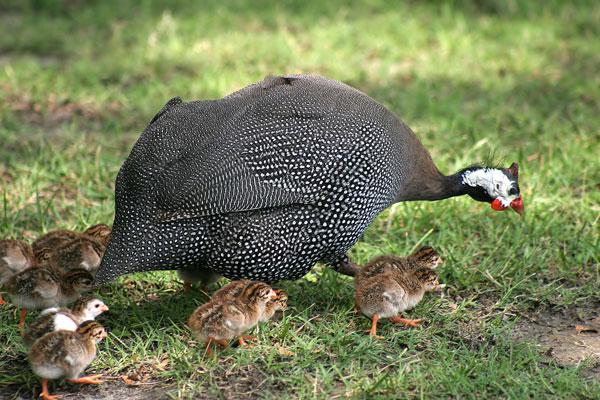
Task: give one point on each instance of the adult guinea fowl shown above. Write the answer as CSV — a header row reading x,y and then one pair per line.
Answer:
x,y
265,182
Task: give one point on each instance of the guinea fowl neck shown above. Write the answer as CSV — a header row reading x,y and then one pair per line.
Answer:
x,y
435,186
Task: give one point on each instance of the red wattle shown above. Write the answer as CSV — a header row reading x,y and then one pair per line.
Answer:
x,y
517,205
497,205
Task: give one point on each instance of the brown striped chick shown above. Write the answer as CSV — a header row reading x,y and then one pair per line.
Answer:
x,y
101,232
83,252
15,256
55,319
424,257
42,287
278,303
390,293
55,238
235,288
221,321
230,291
203,276
66,354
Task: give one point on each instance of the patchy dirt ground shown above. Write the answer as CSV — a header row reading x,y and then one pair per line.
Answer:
x,y
109,391
569,336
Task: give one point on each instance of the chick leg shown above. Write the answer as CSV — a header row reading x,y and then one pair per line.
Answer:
x,y
45,395
89,380
22,316
373,331
242,339
408,322
220,342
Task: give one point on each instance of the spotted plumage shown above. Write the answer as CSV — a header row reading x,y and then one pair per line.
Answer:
x,y
265,182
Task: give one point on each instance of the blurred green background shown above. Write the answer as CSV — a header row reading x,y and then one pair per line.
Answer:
x,y
518,80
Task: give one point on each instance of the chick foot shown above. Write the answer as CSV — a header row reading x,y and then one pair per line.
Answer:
x,y
373,331
242,340
221,342
88,380
45,395
408,322
22,316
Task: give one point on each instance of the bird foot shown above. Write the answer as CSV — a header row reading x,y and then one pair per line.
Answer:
x,y
21,323
242,340
374,335
408,322
45,395
88,380
221,342
48,396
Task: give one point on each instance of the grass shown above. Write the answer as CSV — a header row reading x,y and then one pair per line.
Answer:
x,y
518,79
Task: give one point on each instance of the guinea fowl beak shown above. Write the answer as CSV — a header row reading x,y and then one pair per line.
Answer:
x,y
517,205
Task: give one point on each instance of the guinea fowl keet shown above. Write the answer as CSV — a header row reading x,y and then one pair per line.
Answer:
x,y
389,285
41,287
226,318
54,319
269,180
15,256
66,354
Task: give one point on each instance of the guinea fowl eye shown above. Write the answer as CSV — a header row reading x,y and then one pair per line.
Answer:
x,y
512,192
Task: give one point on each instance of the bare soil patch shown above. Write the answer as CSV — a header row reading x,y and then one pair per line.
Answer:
x,y
569,336
111,390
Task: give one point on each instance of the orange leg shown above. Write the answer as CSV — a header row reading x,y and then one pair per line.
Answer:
x,y
408,322
373,331
221,342
187,286
2,301
45,395
242,340
23,314
89,380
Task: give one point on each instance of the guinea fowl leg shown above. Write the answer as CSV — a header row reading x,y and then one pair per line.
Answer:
x,y
45,395
373,331
408,322
22,316
346,267
88,380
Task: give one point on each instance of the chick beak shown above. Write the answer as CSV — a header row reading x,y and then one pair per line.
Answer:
x,y
104,308
517,205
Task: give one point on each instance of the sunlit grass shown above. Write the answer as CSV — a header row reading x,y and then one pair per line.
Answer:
x,y
514,79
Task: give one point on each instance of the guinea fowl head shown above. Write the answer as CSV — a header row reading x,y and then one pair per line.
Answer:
x,y
498,186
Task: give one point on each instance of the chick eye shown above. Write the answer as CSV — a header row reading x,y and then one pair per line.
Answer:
x,y
97,305
512,192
